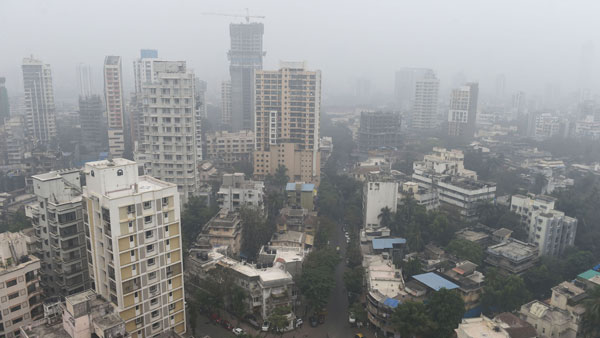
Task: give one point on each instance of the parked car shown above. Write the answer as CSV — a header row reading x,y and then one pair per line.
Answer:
x,y
313,321
265,326
227,325
215,318
238,331
351,319
250,319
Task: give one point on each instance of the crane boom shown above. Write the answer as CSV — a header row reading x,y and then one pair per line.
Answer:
x,y
247,16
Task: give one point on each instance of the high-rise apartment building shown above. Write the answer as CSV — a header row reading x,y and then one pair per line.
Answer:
x,y
226,103
57,219
115,107
225,148
13,140
288,111
201,114
19,284
246,57
39,100
85,80
93,123
134,244
143,72
170,135
4,104
417,93
377,130
463,110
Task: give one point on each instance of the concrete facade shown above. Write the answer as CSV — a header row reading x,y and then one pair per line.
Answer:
x,y
40,112
115,106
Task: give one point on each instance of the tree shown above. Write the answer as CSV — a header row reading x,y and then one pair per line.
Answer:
x,y
412,267
238,296
257,232
195,215
317,279
279,318
359,311
353,279
385,217
15,222
353,254
590,323
446,308
411,319
503,293
465,249
539,280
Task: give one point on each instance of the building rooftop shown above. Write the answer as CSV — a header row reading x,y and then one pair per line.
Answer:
x,y
589,274
288,236
514,250
112,60
56,174
387,243
435,281
306,187
382,277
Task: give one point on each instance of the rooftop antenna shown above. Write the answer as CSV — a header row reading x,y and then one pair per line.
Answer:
x,y
247,16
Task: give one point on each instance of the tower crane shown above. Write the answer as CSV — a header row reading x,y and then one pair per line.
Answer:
x,y
247,16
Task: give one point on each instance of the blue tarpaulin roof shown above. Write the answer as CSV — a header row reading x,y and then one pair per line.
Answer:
x,y
435,281
391,302
387,243
304,187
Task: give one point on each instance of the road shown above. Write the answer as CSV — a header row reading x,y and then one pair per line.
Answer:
x,y
336,322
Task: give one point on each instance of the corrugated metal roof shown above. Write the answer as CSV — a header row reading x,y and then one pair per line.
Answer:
x,y
435,281
387,243
588,274
303,187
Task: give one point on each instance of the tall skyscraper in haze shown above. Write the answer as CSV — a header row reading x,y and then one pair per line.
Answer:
x,y
134,246
226,103
39,100
462,115
113,96
85,80
417,94
169,147
288,111
93,124
4,104
245,57
143,72
586,68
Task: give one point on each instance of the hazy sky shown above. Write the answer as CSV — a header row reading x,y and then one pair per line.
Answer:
x,y
533,42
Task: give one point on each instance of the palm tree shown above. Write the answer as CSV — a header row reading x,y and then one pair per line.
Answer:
x,y
590,324
385,217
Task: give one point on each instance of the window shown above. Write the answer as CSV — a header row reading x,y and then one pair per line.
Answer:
x,y
139,321
13,295
147,219
151,261
130,239
148,234
153,302
153,289
166,215
15,308
155,325
11,283
17,320
167,229
152,275
132,253
171,307
147,205
149,248
130,209
120,172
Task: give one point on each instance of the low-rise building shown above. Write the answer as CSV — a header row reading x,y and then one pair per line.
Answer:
x,y
379,192
301,195
504,325
288,239
224,229
82,315
512,256
423,196
385,291
562,316
551,230
469,281
226,148
20,290
237,192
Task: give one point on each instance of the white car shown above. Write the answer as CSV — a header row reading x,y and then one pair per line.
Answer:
x,y
238,331
351,318
265,326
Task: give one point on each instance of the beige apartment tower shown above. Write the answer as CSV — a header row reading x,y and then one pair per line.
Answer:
x,y
288,109
40,112
113,95
134,246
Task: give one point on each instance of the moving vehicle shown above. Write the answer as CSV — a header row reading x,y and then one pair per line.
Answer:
x,y
238,331
265,326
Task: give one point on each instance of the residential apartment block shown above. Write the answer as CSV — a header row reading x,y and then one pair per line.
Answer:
x,y
226,103
134,246
40,112
223,230
115,106
57,218
463,111
417,93
236,192
378,130
92,122
512,256
548,228
20,291
225,148
170,135
288,111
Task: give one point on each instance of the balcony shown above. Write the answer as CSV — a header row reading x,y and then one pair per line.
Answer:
x,y
131,286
